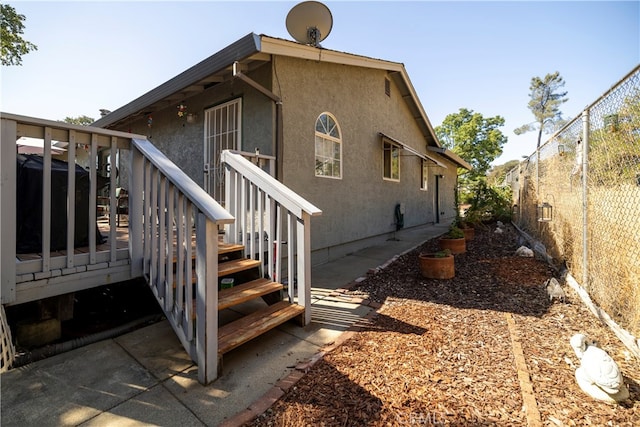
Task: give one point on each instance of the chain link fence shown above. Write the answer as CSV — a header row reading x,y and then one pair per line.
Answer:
x,y
589,173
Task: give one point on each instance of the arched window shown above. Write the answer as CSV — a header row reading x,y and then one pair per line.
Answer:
x,y
328,147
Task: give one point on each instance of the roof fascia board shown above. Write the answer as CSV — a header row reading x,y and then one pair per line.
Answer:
x,y
282,47
451,156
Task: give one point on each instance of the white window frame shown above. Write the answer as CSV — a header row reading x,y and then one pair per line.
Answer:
x,y
424,185
328,147
391,147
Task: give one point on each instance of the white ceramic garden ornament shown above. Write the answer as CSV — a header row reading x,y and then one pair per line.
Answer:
x,y
598,374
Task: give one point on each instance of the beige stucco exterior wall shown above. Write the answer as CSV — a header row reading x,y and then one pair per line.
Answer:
x,y
183,142
358,210
360,206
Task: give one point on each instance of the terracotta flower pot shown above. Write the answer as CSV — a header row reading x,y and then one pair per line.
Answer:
x,y
469,233
456,246
436,267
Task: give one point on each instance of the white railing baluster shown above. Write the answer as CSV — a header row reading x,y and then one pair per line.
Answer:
x,y
154,227
113,203
147,219
93,197
180,268
277,273
162,225
46,202
251,242
171,236
137,213
188,294
291,245
261,225
286,212
71,198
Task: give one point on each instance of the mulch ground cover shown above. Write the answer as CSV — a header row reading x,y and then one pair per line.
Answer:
x,y
485,348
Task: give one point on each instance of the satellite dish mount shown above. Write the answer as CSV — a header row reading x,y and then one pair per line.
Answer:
x,y
309,23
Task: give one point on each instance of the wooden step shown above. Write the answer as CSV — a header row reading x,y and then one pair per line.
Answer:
x,y
246,292
236,266
223,249
257,323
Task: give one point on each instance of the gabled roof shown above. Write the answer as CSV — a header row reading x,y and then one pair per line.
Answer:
x,y
250,52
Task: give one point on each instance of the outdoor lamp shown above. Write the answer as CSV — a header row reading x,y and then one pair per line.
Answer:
x,y
545,212
191,118
561,149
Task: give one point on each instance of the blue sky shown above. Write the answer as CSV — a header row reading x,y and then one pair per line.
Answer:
x,y
479,55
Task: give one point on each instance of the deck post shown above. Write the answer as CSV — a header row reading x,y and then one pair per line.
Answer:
x,y
136,187
206,299
8,210
303,246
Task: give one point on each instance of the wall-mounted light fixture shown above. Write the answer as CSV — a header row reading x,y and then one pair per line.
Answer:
x,y
191,117
545,211
561,149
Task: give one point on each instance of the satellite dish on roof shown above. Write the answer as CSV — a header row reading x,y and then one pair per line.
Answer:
x,y
309,22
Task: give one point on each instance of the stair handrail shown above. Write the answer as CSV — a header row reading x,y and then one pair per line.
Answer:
x,y
160,220
287,197
211,208
252,195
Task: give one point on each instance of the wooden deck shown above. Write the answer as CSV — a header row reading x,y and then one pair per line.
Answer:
x,y
39,276
122,242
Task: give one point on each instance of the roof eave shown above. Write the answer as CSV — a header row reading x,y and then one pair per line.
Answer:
x,y
237,51
451,156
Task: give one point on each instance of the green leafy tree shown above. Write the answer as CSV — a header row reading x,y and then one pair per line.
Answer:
x,y
80,120
497,174
545,102
475,138
12,45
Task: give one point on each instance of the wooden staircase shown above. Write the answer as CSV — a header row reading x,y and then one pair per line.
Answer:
x,y
249,284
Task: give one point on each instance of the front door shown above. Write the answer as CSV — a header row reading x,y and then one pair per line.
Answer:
x,y
437,199
222,125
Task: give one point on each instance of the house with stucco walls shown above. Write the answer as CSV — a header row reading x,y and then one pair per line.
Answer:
x,y
346,132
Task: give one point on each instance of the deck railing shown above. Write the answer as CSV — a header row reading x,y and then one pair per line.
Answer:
x,y
171,208
59,268
270,216
165,209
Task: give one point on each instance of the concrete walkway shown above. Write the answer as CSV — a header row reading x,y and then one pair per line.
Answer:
x,y
146,378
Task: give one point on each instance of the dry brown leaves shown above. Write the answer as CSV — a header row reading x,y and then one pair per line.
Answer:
x,y
440,352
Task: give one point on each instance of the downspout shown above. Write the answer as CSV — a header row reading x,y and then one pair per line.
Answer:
x,y
278,102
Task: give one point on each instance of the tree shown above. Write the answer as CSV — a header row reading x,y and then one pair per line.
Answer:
x,y
545,104
13,46
474,138
80,120
498,173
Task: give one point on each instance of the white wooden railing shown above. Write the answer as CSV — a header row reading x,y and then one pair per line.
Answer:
x,y
166,209
268,214
172,207
62,270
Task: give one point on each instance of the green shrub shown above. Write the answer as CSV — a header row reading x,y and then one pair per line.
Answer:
x,y
488,203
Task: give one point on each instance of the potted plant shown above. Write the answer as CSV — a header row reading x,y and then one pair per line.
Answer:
x,y
467,229
437,265
453,240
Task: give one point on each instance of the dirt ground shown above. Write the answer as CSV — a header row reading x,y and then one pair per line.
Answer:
x,y
484,348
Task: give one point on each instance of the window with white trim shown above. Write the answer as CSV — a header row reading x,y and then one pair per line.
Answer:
x,y
425,175
328,147
390,161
